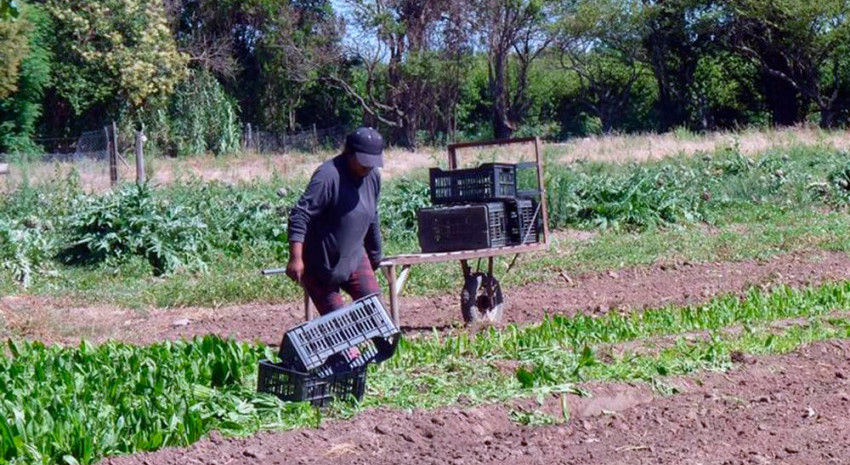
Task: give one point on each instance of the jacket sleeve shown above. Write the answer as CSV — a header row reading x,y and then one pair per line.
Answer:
x,y
372,241
311,204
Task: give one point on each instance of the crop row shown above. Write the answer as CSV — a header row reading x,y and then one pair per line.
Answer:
x,y
187,227
79,404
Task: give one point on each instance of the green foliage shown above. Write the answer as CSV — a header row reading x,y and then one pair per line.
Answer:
x,y
26,248
688,189
239,218
642,198
724,92
20,112
84,403
8,9
13,50
111,48
200,117
610,65
220,229
131,222
399,203
807,46
294,51
80,404
839,180
183,227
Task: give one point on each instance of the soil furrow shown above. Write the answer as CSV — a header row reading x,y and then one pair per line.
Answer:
x,y
781,409
615,290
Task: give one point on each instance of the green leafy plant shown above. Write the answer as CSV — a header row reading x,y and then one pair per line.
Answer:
x,y
840,182
131,222
77,405
26,247
399,203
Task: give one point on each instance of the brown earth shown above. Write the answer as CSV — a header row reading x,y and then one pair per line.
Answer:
x,y
790,409
620,290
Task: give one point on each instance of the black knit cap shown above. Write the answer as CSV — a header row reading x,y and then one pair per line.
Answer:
x,y
367,145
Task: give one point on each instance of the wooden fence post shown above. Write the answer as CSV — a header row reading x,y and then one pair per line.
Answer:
x,y
140,158
250,139
113,153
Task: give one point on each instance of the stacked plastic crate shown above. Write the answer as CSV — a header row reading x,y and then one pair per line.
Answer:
x,y
326,358
477,208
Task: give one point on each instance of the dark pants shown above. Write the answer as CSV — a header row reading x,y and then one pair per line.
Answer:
x,y
327,297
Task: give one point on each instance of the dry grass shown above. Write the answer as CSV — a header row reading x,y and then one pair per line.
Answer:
x,y
644,147
248,166
245,167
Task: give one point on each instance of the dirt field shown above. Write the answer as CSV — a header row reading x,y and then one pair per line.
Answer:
x,y
621,290
791,409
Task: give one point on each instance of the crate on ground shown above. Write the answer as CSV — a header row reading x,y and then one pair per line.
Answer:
x,y
323,344
462,227
523,221
297,386
487,182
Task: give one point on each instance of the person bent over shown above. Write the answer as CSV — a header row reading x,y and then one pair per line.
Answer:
x,y
334,230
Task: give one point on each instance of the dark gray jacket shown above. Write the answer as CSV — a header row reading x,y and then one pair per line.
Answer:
x,y
337,220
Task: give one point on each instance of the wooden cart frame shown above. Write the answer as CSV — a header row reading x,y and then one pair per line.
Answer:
x,y
396,268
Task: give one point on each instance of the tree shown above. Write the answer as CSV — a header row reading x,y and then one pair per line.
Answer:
x,y
207,33
401,73
678,33
804,44
725,92
114,53
601,41
13,47
299,42
20,111
8,9
505,26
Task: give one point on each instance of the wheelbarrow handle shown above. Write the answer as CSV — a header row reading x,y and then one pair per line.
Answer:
x,y
271,271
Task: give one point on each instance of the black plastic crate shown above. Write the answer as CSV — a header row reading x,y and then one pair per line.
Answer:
x,y
296,386
323,344
523,221
487,182
462,227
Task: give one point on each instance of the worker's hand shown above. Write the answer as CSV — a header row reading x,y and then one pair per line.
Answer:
x,y
295,269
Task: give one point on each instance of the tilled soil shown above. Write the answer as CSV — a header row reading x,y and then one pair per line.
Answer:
x,y
790,409
624,290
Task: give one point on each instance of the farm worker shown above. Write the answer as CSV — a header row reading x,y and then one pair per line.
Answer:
x,y
334,229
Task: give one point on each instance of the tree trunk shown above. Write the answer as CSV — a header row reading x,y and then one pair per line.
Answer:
x,y
606,119
827,117
498,91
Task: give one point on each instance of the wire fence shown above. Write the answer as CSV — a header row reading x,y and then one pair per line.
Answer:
x,y
94,145
267,142
88,145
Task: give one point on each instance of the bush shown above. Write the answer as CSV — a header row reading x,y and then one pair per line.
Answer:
x,y
839,180
131,221
646,197
399,203
26,247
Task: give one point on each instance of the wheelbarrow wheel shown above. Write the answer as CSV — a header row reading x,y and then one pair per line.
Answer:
x,y
475,303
